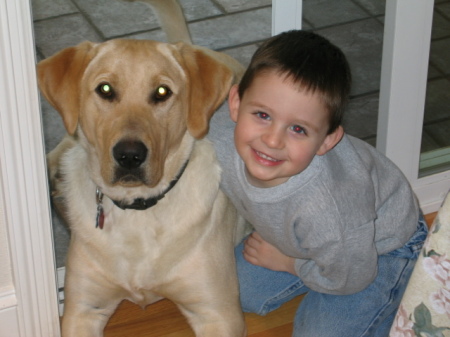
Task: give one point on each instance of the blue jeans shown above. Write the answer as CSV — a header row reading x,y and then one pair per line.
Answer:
x,y
369,312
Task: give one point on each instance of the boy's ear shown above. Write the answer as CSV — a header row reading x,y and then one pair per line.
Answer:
x,y
233,103
331,140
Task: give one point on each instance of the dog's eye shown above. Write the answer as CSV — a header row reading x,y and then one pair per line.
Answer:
x,y
161,94
105,90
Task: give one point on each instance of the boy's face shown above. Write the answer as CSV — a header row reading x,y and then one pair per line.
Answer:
x,y
279,129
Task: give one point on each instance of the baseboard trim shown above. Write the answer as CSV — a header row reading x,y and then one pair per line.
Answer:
x,y
8,299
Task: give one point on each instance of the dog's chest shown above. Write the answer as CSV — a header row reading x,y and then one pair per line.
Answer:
x,y
141,250
134,242
144,253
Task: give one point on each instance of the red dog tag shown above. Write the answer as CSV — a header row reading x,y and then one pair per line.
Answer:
x,y
100,217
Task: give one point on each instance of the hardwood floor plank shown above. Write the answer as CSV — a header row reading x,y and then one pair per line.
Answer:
x,y
163,319
279,331
429,218
158,319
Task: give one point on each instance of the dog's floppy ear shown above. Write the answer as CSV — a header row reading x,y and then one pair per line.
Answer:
x,y
211,76
59,78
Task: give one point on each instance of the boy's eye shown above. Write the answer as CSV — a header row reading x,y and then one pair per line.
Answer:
x,y
298,129
263,115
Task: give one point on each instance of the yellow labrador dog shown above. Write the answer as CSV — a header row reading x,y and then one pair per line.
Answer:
x,y
141,185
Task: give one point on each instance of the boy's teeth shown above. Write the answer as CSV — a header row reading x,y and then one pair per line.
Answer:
x,y
262,155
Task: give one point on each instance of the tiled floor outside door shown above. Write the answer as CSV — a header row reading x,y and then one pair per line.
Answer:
x,y
237,27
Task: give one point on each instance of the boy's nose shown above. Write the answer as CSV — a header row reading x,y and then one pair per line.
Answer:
x,y
274,138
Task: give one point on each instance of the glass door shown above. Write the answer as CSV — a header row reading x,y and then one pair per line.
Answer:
x,y
435,147
417,144
415,141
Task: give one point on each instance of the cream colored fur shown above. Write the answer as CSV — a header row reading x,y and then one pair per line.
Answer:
x,y
181,248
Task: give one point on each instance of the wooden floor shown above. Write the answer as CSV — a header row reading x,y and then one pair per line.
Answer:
x,y
162,319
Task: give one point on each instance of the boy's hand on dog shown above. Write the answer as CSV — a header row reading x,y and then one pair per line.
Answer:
x,y
259,252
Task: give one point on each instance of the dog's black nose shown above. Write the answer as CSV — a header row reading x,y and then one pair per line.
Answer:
x,y
130,154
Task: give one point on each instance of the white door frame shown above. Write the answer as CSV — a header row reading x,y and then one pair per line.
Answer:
x,y
31,308
286,15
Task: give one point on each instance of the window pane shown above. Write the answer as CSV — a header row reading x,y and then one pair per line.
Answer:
x,y
435,150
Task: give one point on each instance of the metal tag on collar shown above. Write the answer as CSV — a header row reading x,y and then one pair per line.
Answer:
x,y
100,218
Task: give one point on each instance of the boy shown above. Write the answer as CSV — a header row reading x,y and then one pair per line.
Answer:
x,y
332,217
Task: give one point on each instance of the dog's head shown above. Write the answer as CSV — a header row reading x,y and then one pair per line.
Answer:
x,y
134,101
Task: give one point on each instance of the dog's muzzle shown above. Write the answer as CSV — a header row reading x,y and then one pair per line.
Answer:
x,y
130,155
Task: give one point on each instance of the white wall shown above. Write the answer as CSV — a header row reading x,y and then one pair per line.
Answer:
x,y
5,263
8,302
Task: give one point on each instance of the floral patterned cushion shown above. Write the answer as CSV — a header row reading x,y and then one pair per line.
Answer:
x,y
425,307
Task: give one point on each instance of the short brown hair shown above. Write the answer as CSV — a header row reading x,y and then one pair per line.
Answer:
x,y
309,60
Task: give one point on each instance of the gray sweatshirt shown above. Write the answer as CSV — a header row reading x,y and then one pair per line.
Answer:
x,y
335,218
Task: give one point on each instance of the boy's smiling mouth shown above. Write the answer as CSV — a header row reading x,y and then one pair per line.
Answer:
x,y
265,159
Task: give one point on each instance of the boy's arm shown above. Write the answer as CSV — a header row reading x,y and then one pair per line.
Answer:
x,y
344,265
341,268
259,252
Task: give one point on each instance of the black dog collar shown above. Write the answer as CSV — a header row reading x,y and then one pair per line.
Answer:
x,y
143,204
